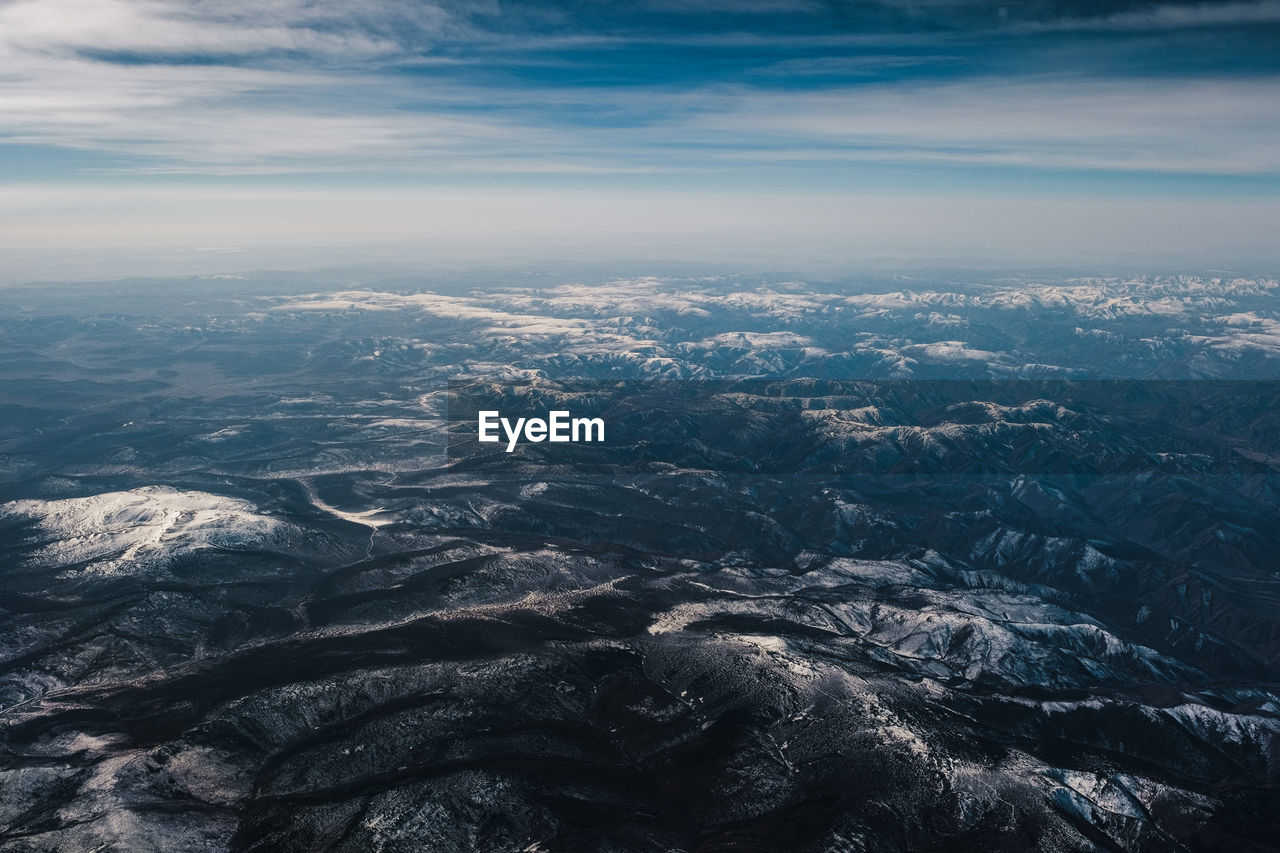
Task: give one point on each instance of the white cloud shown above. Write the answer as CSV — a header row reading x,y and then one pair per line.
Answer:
x,y
167,27
281,86
316,87
246,119
1225,126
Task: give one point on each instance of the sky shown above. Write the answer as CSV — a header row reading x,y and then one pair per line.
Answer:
x,y
138,136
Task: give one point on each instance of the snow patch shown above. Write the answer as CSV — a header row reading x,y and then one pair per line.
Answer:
x,y
119,532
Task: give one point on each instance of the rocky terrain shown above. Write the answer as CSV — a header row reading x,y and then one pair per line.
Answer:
x,y
868,565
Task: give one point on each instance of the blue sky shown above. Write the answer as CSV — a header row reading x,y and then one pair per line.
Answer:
x,y
294,122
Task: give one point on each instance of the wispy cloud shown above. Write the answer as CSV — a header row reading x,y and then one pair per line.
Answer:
x,y
194,117
252,120
159,28
1222,126
652,91
1172,16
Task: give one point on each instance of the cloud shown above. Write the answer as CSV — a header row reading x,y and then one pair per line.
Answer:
x,y
159,28
1173,16
255,120
245,119
319,87
1206,126
739,7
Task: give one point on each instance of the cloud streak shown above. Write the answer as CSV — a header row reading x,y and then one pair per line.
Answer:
x,y
228,120
785,96
1173,16
287,86
165,28
1224,126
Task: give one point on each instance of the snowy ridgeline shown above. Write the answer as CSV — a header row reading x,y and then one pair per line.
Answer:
x,y
248,601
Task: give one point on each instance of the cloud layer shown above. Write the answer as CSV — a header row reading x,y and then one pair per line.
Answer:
x,y
170,86
858,125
